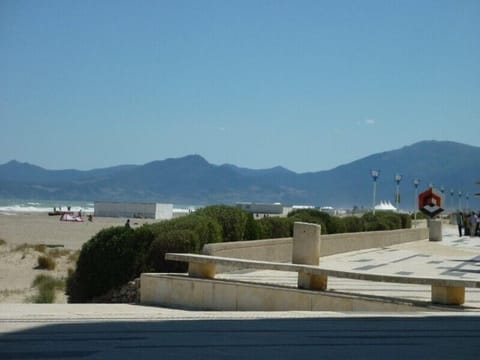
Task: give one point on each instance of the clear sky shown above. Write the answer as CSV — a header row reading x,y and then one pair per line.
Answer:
x,y
308,85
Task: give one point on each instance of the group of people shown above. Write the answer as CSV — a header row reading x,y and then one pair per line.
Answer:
x,y
469,223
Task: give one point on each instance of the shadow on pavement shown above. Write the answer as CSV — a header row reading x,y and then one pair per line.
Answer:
x,y
440,337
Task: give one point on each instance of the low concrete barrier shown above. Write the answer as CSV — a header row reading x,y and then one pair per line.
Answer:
x,y
445,290
181,291
280,250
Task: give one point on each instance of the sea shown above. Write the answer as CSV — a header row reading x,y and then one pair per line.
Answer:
x,y
42,206
9,206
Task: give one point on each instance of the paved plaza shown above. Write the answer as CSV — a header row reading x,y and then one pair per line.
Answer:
x,y
99,331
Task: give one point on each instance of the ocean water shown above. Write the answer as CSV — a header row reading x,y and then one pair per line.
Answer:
x,y
8,206
31,206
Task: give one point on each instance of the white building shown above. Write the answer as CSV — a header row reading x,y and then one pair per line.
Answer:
x,y
264,210
133,210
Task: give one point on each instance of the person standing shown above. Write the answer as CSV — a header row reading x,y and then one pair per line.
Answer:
x,y
460,222
473,223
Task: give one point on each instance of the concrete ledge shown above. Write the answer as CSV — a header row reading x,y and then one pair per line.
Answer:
x,y
280,250
181,291
445,290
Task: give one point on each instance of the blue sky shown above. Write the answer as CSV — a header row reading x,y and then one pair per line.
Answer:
x,y
308,85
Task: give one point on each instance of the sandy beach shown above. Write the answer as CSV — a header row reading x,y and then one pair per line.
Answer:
x,y
20,235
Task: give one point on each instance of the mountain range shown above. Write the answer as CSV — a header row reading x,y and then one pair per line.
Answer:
x,y
193,180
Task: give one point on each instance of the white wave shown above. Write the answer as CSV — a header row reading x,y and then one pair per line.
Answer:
x,y
35,209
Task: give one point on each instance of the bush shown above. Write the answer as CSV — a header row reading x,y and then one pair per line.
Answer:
x,y
46,263
384,220
336,225
252,228
207,229
182,241
275,227
314,217
106,261
116,255
231,219
353,224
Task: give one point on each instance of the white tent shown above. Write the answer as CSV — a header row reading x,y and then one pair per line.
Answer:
x,y
385,206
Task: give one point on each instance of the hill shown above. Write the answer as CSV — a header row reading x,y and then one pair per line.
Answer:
x,y
193,180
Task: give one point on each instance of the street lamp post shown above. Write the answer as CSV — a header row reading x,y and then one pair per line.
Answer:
x,y
375,174
467,196
442,190
451,197
416,182
398,177
459,199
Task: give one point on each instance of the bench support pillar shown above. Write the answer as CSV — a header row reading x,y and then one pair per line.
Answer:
x,y
448,295
201,270
312,282
306,250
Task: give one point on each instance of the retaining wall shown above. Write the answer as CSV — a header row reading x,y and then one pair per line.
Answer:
x,y
178,291
280,250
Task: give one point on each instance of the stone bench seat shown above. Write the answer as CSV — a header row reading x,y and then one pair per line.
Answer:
x,y
447,291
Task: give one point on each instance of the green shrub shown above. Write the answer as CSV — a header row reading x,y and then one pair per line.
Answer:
x,y
275,227
384,220
183,241
406,221
2,242
336,225
46,263
314,217
106,261
353,224
252,228
207,229
231,219
116,255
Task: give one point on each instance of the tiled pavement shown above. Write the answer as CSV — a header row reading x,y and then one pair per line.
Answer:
x,y
454,257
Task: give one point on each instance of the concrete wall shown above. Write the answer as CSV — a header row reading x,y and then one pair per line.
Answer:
x,y
133,210
280,250
180,291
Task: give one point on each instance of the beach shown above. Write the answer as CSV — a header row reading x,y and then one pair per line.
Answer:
x,y
21,238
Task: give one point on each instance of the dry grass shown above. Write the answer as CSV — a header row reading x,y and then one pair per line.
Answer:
x,y
46,287
73,257
46,263
8,292
57,253
25,247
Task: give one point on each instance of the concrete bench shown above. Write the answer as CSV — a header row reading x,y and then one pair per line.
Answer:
x,y
445,291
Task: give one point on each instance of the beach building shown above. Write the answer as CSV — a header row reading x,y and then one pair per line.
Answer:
x,y
264,210
133,210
